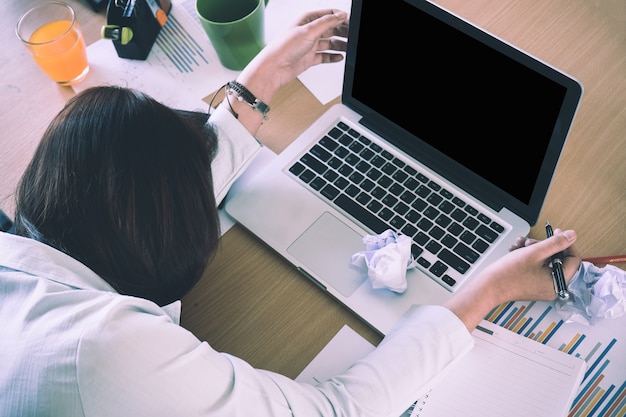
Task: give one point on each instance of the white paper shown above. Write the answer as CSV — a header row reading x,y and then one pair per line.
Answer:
x,y
345,348
386,258
324,81
505,374
181,69
596,293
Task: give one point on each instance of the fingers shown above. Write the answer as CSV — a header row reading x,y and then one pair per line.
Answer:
x,y
314,15
326,23
332,45
521,242
544,249
561,241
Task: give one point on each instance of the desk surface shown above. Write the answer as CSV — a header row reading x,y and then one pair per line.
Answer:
x,y
259,308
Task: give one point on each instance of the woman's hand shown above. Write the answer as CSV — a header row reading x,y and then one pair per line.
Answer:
x,y
317,37
522,274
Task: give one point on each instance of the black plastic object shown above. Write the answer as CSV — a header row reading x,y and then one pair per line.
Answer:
x,y
141,20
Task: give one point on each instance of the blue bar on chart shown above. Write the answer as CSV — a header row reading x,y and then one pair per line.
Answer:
x,y
179,46
602,346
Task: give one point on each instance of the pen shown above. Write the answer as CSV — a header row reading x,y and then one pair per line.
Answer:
x,y
560,286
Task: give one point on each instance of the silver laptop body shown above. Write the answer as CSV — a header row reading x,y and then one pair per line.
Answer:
x,y
467,128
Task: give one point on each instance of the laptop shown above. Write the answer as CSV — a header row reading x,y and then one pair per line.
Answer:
x,y
444,133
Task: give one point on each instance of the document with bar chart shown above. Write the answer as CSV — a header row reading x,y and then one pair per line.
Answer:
x,y
505,374
180,71
602,345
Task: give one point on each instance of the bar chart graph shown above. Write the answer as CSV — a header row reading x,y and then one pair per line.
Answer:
x,y
183,51
602,346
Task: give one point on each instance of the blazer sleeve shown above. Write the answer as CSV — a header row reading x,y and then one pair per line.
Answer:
x,y
236,150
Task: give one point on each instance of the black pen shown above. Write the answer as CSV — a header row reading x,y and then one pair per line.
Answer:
x,y
560,286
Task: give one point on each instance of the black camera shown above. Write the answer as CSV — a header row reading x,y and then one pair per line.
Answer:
x,y
133,25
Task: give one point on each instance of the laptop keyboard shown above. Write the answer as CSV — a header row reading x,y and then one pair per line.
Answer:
x,y
383,192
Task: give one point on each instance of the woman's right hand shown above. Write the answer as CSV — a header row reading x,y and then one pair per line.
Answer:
x,y
522,274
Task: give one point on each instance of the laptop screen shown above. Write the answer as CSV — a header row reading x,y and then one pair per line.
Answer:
x,y
488,117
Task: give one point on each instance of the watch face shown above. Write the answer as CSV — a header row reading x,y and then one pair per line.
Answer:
x,y
260,106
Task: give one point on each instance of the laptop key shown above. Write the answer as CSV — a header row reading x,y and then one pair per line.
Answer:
x,y
480,245
449,241
409,230
424,224
483,218
341,183
466,252
368,219
385,214
448,280
366,154
335,162
352,190
454,261
321,153
329,143
313,163
356,147
330,176
307,175
329,192
433,247
378,161
486,233
438,268
397,222
436,232
421,238
467,237
416,251
318,183
470,223
374,206
297,168
363,198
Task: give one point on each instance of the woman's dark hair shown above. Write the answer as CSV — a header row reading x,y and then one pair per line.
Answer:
x,y
123,184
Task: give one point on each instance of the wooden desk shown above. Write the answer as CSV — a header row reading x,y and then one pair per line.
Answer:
x,y
252,304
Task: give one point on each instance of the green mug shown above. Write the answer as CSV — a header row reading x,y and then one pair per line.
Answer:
x,y
236,28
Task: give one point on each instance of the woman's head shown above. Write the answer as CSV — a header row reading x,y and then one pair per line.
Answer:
x,y
123,184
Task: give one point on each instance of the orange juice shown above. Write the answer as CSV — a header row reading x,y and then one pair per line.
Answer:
x,y
59,49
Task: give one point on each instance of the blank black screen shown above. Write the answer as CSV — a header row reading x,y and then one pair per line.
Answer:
x,y
479,106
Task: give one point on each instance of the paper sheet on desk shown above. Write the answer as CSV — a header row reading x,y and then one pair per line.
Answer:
x,y
505,374
324,81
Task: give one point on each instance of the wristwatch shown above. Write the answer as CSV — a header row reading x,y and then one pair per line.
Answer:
x,y
243,94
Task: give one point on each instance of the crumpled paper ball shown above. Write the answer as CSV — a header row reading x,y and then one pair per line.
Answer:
x,y
598,293
386,258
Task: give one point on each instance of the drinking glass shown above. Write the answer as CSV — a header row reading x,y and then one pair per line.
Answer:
x,y
52,35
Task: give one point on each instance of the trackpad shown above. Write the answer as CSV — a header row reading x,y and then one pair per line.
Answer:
x,y
326,249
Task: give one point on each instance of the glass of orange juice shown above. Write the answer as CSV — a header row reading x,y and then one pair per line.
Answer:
x,y
51,33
